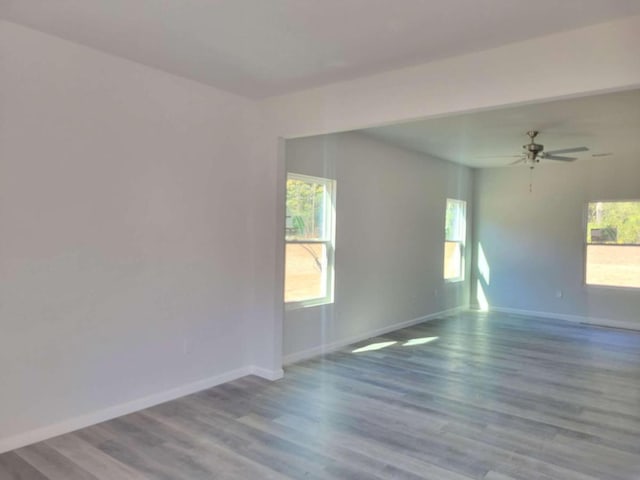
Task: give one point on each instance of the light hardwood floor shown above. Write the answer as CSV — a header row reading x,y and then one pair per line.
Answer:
x,y
493,397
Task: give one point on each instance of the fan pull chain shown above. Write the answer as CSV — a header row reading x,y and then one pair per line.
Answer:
x,y
530,179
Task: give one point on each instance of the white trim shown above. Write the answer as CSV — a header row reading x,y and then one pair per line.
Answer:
x,y
594,321
330,347
267,374
587,244
86,420
460,225
329,241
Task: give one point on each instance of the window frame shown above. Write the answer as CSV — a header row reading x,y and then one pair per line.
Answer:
x,y
328,241
586,244
462,242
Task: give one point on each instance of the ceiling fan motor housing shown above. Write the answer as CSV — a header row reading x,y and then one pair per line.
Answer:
x,y
533,149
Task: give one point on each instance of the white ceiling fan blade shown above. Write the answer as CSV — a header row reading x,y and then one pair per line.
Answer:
x,y
500,156
520,160
556,157
568,150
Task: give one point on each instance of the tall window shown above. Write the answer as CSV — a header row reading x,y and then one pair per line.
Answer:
x,y
455,234
613,244
309,238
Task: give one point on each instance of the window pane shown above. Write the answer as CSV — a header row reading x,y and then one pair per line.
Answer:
x,y
455,223
613,265
309,225
452,260
455,234
306,218
305,271
613,223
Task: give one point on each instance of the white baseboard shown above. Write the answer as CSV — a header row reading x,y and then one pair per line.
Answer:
x,y
267,374
82,421
595,321
333,346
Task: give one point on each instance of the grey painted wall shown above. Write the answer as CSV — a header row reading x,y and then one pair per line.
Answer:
x,y
390,207
534,242
138,233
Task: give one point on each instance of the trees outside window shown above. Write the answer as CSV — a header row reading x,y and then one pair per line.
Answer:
x,y
309,238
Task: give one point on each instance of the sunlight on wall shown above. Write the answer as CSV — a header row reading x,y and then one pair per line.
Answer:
x,y
484,278
419,341
483,265
483,304
373,346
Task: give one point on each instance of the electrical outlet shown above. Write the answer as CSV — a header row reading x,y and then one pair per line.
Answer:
x,y
559,293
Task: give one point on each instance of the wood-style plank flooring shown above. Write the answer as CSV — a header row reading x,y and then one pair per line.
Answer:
x,y
475,396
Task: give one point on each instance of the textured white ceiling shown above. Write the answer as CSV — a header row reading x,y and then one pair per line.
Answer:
x,y
608,123
258,48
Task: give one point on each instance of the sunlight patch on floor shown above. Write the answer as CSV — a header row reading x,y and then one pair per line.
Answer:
x,y
374,346
419,341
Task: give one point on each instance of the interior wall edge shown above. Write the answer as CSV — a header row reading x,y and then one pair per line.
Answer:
x,y
458,85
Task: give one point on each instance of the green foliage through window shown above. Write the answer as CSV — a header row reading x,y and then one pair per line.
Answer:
x,y
305,210
309,240
613,223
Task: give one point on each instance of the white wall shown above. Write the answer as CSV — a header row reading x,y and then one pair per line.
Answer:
x,y
132,249
534,242
390,206
579,62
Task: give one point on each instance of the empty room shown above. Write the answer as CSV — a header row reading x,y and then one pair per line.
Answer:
x,y
337,239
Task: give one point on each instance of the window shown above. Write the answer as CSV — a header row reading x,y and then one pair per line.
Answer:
x,y
309,237
455,234
613,244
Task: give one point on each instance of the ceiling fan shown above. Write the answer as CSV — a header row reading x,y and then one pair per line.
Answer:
x,y
534,152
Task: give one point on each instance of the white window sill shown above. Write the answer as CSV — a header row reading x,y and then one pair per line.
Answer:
x,y
316,302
